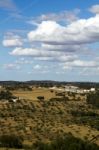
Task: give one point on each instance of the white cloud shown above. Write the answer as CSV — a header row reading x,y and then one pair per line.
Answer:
x,y
81,64
94,9
67,58
11,67
23,61
42,69
37,67
43,55
81,31
66,48
44,58
45,31
7,4
34,52
57,40
64,16
61,44
11,40
89,71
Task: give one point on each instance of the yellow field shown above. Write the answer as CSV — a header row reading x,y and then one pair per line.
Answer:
x,y
32,95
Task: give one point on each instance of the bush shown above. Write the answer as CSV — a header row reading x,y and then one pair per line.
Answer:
x,y
6,95
60,94
40,97
11,141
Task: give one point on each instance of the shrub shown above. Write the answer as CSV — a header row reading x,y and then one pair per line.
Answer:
x,y
6,95
11,141
40,97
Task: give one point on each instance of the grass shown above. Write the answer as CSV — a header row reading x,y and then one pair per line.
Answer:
x,y
32,95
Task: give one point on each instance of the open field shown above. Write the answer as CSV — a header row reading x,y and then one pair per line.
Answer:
x,y
32,95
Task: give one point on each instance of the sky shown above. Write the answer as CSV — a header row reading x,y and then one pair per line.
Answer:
x,y
49,40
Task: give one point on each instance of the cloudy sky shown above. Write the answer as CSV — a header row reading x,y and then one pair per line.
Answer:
x,y
49,40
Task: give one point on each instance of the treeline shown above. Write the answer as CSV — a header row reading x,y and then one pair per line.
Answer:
x,y
17,87
86,85
83,85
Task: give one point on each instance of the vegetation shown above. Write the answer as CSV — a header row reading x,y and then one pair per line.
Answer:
x,y
84,113
40,97
83,85
89,118
93,98
10,141
67,143
6,95
42,114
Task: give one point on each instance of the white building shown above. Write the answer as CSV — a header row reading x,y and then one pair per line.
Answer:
x,y
72,89
75,89
92,90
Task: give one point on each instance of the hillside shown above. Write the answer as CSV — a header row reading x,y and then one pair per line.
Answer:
x,y
57,114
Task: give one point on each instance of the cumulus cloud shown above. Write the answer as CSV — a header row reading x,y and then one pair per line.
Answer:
x,y
65,48
94,9
34,52
45,55
11,40
80,64
81,31
62,44
64,16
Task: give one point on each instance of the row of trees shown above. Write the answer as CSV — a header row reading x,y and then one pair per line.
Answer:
x,y
17,87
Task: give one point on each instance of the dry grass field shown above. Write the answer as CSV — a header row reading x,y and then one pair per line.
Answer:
x,y
43,120
32,95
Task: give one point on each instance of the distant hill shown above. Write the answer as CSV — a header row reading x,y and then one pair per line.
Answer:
x,y
86,85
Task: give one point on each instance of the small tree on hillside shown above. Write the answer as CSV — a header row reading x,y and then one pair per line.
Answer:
x,y
40,97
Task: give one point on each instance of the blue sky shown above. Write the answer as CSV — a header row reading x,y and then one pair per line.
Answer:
x,y
49,40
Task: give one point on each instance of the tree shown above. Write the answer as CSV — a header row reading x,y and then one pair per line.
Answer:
x,y
6,95
40,97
